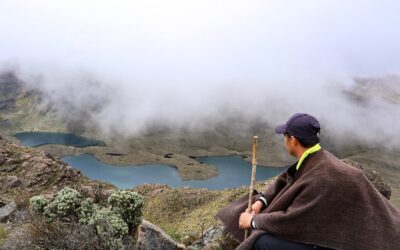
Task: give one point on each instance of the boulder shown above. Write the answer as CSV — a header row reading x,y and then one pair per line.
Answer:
x,y
26,156
209,240
151,237
6,211
40,167
12,181
2,202
214,238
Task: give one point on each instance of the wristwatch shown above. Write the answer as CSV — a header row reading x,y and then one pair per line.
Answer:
x,y
263,200
253,224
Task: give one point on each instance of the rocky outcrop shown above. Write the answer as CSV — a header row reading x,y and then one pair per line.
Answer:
x,y
6,211
11,181
151,237
44,169
210,240
25,170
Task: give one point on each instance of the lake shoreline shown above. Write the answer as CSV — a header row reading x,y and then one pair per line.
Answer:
x,y
233,172
188,167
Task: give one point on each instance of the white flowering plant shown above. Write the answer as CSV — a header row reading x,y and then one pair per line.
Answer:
x,y
109,220
64,204
37,204
86,210
129,205
113,224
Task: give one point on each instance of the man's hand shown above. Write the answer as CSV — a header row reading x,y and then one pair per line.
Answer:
x,y
256,207
245,219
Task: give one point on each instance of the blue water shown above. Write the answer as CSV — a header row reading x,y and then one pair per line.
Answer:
x,y
34,139
233,172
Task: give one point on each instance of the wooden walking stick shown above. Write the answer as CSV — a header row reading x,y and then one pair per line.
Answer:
x,y
253,177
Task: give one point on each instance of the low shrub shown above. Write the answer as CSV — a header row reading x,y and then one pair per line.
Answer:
x,y
113,226
86,210
39,234
64,205
129,205
110,226
37,204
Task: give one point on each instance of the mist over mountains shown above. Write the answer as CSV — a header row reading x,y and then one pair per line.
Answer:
x,y
128,67
364,113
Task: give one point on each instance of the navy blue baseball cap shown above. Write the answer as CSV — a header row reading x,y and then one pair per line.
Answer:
x,y
300,125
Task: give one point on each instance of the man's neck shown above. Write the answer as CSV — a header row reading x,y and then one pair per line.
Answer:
x,y
299,153
304,152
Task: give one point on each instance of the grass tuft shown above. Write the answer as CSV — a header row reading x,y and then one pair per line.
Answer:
x,y
21,200
3,234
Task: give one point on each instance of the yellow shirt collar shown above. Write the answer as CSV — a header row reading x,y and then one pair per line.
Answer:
x,y
311,150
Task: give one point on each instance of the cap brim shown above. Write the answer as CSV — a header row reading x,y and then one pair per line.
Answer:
x,y
281,129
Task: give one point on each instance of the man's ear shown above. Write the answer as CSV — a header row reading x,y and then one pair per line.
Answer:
x,y
295,141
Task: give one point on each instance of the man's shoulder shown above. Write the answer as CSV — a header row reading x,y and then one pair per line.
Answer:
x,y
327,155
333,168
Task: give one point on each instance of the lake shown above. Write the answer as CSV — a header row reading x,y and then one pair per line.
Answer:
x,y
234,171
34,139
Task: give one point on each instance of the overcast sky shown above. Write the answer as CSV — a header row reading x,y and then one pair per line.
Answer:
x,y
172,59
202,41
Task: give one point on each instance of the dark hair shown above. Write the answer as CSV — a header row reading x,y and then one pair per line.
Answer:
x,y
306,143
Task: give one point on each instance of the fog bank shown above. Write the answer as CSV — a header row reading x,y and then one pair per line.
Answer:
x,y
127,65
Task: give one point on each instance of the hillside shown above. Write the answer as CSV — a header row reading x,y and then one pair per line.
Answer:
x,y
182,212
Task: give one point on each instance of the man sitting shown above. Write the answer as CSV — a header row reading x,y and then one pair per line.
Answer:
x,y
318,202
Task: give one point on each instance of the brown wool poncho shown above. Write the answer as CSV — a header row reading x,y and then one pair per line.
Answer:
x,y
325,203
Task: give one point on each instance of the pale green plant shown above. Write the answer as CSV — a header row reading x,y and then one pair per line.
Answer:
x,y
129,205
113,224
64,204
107,220
86,210
37,204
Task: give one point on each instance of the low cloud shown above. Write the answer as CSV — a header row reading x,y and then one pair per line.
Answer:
x,y
128,65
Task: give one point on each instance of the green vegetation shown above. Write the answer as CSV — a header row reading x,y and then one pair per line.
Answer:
x,y
87,210
182,212
66,203
129,205
173,232
110,225
37,204
3,234
113,224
